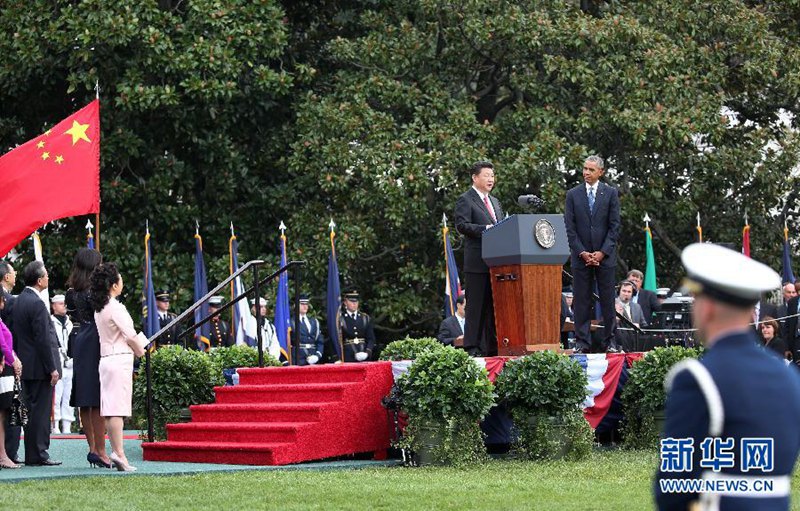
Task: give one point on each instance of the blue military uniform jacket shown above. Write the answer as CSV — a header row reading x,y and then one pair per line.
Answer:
x,y
312,342
758,397
357,335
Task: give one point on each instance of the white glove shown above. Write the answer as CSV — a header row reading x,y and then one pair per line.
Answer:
x,y
312,359
361,356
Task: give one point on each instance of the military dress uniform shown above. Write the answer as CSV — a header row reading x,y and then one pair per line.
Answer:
x,y
358,335
220,334
164,319
736,394
312,342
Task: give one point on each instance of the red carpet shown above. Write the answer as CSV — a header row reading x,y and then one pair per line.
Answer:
x,y
283,415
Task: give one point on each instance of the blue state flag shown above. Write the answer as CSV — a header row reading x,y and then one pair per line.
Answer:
x,y
788,275
334,298
452,285
202,335
282,325
150,323
243,320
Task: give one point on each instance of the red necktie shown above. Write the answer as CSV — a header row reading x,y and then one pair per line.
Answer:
x,y
491,212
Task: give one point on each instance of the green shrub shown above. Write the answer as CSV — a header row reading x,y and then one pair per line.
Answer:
x,y
542,383
446,389
644,394
180,378
544,391
239,356
409,349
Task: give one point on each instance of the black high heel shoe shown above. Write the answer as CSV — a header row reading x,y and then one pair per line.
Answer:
x,y
96,461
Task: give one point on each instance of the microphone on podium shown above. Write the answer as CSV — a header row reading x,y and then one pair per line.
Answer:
x,y
530,201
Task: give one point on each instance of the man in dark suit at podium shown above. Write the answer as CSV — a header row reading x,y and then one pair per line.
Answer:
x,y
477,211
592,220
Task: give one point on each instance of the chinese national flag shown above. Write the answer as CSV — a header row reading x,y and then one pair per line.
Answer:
x,y
55,175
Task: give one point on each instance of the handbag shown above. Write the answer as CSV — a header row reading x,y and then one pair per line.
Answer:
x,y
18,416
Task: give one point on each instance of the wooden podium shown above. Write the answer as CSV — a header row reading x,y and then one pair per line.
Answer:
x,y
525,255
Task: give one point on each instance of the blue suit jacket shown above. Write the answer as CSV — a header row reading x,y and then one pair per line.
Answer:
x,y
590,232
760,398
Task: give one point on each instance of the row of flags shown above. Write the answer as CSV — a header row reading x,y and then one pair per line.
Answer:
x,y
244,324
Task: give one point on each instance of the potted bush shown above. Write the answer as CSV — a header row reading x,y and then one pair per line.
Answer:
x,y
644,396
180,378
409,349
544,392
445,394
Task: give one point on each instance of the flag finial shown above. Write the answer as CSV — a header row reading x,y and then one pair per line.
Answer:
x,y
444,219
232,234
332,225
147,226
698,219
197,227
646,220
282,228
745,218
89,225
97,89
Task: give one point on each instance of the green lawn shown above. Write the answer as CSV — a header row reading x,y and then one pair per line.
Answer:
x,y
608,480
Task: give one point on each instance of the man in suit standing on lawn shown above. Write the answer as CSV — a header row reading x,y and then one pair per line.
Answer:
x,y
34,337
593,224
477,211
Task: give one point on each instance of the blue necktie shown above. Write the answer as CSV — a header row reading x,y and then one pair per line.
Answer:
x,y
591,200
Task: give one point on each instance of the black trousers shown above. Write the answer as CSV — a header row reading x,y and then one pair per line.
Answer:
x,y
583,283
479,329
37,395
13,434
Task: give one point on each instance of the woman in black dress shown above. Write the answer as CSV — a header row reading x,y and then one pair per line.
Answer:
x,y
84,347
770,332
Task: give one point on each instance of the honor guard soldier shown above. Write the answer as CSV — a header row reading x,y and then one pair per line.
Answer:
x,y
731,417
165,317
220,335
269,337
312,342
358,337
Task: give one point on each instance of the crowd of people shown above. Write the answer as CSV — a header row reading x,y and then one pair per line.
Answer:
x,y
80,356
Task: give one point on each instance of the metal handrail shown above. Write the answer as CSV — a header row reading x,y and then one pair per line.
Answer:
x,y
295,265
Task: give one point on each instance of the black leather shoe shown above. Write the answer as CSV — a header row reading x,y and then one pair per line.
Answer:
x,y
44,463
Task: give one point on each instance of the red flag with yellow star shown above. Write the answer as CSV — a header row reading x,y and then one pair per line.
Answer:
x,y
55,175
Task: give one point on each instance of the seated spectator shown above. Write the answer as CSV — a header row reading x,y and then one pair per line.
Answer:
x,y
451,330
770,335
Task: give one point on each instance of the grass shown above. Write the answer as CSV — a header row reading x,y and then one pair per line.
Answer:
x,y
608,480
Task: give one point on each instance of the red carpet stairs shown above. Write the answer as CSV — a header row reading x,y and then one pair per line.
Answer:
x,y
284,415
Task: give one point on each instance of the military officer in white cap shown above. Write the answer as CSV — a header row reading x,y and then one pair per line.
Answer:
x,y
220,330
738,407
312,342
269,337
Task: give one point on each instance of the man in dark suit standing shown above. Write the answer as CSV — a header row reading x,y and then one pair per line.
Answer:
x,y
646,299
34,336
451,330
593,224
477,211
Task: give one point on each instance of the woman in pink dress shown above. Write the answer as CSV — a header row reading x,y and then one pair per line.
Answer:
x,y
118,345
10,368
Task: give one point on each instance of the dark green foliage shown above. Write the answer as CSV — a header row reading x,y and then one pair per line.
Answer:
x,y
541,437
239,356
446,384
542,383
644,393
180,378
409,349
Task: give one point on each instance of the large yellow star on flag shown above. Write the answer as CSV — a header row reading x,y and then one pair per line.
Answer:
x,y
78,132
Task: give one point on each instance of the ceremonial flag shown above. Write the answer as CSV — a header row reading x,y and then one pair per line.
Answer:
x,y
37,254
241,312
54,175
202,335
89,235
334,296
699,229
283,327
650,264
746,238
150,323
452,284
788,275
